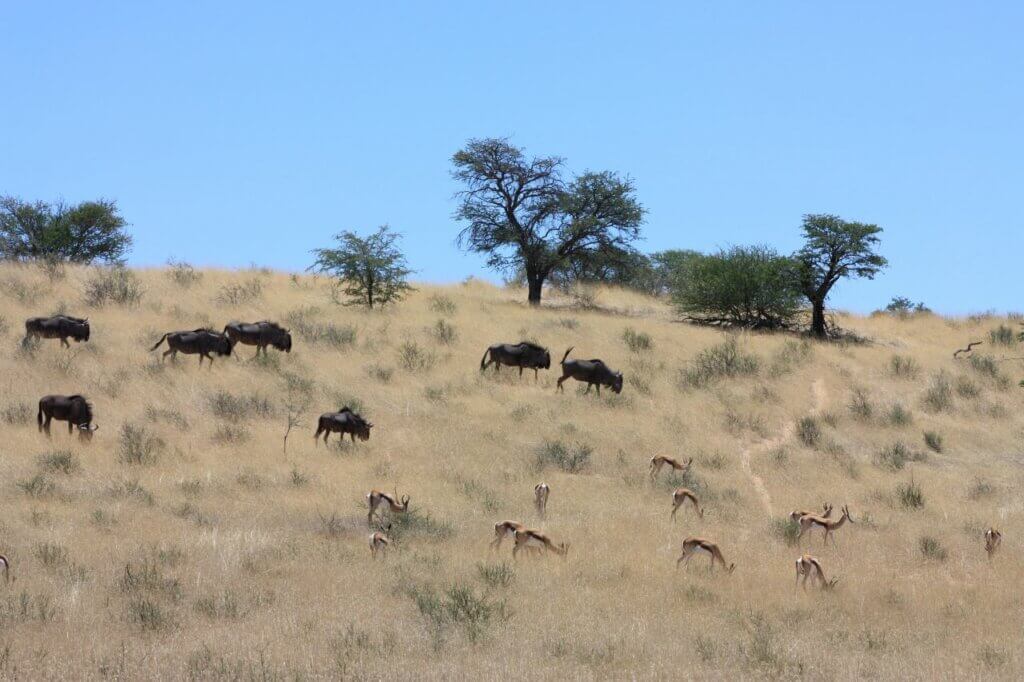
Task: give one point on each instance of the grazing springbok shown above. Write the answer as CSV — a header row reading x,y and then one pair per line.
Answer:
x,y
660,461
540,498
809,567
505,529
800,513
993,538
536,540
681,495
376,498
379,543
811,521
6,563
74,409
693,546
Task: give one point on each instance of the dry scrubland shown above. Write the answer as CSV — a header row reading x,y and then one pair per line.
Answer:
x,y
195,548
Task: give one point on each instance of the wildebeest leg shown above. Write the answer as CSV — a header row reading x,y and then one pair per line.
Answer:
x,y
170,351
258,348
588,388
64,342
560,380
71,427
598,388
353,434
520,371
46,426
534,375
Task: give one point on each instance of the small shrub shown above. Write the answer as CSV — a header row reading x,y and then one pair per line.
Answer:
x,y
183,274
1003,336
17,414
496,575
939,395
50,554
234,408
986,366
332,526
861,406
904,367
37,486
459,606
304,322
931,548
637,341
225,605
444,333
148,614
787,530
571,458
899,415
965,388
933,440
418,524
808,431
249,480
138,445
725,360
115,285
242,293
381,373
980,489
230,434
61,461
442,304
897,455
299,479
910,495
413,358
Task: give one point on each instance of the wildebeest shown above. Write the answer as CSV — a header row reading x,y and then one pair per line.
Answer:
x,y
341,422
201,341
260,334
524,355
73,409
594,372
58,327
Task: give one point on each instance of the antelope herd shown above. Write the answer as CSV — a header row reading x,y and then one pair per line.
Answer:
x,y
77,412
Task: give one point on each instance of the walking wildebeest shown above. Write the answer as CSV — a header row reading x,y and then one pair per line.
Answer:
x,y
58,327
524,355
73,409
260,334
341,422
201,341
594,372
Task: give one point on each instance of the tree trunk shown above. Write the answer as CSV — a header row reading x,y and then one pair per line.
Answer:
x,y
818,319
536,284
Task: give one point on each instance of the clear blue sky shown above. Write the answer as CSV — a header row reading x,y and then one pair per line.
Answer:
x,y
238,133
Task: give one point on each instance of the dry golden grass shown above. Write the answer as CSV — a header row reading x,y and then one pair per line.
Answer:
x,y
220,557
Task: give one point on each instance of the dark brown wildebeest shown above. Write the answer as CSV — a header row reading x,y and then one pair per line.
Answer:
x,y
524,355
341,422
260,334
58,327
201,341
73,409
594,372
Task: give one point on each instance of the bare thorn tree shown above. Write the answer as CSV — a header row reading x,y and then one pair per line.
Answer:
x,y
297,392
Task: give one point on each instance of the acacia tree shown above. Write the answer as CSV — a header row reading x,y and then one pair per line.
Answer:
x,y
527,218
833,249
87,232
371,270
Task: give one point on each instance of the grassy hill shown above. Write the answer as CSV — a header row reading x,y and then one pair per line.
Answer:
x,y
183,542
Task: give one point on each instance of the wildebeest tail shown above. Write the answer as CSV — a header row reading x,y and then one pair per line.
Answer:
x,y
483,360
160,341
566,354
39,416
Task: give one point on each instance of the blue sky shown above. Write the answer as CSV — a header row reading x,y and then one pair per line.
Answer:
x,y
239,133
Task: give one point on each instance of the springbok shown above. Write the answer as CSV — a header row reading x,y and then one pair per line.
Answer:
x,y
993,538
680,496
660,461
540,498
536,540
505,529
797,515
6,563
811,521
692,546
379,543
809,567
376,498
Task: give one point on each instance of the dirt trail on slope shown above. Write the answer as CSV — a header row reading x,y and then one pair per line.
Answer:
x,y
820,397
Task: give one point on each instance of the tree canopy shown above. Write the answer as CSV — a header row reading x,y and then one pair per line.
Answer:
x,y
84,233
525,217
371,270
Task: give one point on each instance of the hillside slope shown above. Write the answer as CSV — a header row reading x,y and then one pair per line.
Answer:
x,y
183,542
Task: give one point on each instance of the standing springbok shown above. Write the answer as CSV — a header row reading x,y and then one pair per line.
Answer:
x,y
808,566
811,521
376,498
692,546
536,540
798,514
6,563
680,496
540,498
379,543
993,538
660,461
505,529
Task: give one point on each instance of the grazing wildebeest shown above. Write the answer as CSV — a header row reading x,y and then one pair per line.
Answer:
x,y
260,334
524,355
58,327
201,341
341,422
594,372
73,409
